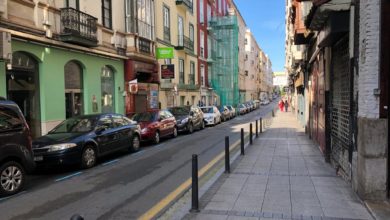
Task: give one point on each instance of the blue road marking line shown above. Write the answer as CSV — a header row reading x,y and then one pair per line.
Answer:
x,y
67,177
8,197
139,152
110,162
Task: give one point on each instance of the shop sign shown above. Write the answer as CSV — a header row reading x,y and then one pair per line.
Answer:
x,y
154,99
168,71
164,53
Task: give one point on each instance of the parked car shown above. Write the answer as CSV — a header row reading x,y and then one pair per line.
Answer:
x,y
211,114
232,111
82,139
156,124
257,103
242,109
225,113
16,157
188,118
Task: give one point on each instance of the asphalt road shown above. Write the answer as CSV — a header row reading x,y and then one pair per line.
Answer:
x,y
122,186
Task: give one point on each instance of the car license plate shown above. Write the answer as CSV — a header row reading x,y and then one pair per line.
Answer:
x,y
38,158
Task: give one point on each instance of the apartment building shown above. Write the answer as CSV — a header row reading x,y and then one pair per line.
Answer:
x,y
252,67
176,28
64,58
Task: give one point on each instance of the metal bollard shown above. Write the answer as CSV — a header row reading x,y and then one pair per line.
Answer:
x,y
261,125
76,217
273,113
250,134
195,194
242,142
227,155
257,129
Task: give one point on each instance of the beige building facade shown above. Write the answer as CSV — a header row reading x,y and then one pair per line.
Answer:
x,y
176,27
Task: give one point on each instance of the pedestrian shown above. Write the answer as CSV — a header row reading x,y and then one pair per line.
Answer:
x,y
281,105
286,105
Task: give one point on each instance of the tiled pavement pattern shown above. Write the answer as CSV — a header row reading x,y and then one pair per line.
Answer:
x,y
282,176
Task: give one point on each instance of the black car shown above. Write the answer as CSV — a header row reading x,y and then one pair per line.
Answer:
x,y
188,118
16,157
82,139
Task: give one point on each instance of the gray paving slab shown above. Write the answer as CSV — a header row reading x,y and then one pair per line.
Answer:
x,y
283,176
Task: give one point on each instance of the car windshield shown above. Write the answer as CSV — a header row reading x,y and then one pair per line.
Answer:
x,y
207,110
180,110
144,117
76,125
229,107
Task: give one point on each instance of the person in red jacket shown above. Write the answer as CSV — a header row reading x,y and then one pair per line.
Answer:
x,y
281,105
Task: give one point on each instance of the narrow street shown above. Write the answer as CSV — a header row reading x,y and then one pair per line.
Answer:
x,y
123,187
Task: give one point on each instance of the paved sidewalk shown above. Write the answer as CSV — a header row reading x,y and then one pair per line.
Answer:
x,y
282,176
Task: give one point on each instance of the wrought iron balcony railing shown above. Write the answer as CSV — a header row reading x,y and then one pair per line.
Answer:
x,y
184,42
187,86
78,27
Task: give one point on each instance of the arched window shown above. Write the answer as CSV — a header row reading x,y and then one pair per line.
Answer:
x,y
108,90
73,89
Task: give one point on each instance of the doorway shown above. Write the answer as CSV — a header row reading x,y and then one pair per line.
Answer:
x,y
23,89
73,89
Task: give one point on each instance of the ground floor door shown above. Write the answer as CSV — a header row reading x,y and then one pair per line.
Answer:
x,y
340,106
23,89
141,103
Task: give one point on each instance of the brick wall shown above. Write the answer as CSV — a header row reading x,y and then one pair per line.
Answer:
x,y
369,58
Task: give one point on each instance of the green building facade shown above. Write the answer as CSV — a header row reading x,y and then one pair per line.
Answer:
x,y
51,83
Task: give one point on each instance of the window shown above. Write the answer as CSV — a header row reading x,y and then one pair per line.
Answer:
x,y
220,6
9,120
106,12
192,73
181,71
119,121
208,14
106,121
130,16
202,76
201,11
246,41
191,31
166,24
201,44
180,26
140,17
72,4
182,99
107,88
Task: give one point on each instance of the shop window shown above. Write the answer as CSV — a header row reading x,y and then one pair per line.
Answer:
x,y
73,89
108,87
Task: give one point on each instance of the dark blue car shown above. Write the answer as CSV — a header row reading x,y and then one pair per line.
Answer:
x,y
82,139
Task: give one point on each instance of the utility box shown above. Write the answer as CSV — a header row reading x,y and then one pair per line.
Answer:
x,y
5,46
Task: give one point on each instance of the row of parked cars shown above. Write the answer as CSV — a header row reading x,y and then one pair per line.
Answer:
x,y
83,139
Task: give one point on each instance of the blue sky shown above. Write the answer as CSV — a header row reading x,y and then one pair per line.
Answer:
x,y
265,19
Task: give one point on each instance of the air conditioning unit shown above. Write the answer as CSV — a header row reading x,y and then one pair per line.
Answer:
x,y
5,46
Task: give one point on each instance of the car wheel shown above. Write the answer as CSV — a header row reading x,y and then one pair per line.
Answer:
x,y
135,144
11,178
156,139
190,128
202,126
174,134
89,157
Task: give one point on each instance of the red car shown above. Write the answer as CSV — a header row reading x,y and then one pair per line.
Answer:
x,y
156,124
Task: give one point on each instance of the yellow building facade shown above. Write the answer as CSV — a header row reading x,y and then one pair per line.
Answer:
x,y
176,27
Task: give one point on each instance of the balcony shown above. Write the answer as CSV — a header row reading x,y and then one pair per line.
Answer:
x,y
185,4
188,87
167,33
184,42
78,27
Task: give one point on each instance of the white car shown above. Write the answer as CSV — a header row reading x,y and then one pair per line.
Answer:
x,y
232,111
211,115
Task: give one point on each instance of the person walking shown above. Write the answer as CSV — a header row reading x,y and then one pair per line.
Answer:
x,y
286,105
281,105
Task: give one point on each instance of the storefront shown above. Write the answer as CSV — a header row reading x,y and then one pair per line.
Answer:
x,y
141,79
51,84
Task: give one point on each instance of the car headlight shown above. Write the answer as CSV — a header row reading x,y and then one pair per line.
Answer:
x,y
144,130
58,147
184,121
